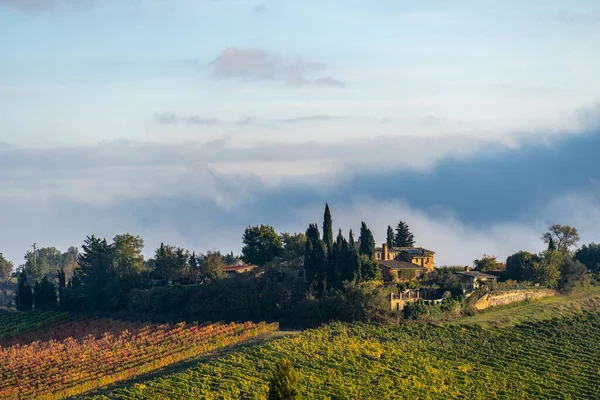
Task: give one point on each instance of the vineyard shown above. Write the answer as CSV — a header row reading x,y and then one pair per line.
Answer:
x,y
73,357
558,358
12,324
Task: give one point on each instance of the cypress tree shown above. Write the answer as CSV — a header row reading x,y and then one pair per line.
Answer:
x,y
367,242
390,236
403,237
345,267
38,301
328,229
313,241
353,259
62,290
24,294
551,244
336,262
284,382
44,295
320,257
369,268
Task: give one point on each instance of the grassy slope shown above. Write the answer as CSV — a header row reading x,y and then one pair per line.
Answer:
x,y
542,309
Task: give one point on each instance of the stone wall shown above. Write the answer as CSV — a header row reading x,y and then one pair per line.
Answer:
x,y
511,296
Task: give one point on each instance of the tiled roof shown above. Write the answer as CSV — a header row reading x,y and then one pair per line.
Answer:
x,y
238,267
397,264
476,274
409,250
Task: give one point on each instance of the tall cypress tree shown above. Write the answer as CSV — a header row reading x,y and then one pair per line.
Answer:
x,y
353,259
367,242
328,229
320,257
24,294
44,295
403,237
313,241
390,236
62,290
336,262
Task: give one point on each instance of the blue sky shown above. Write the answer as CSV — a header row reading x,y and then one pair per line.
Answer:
x,y
134,107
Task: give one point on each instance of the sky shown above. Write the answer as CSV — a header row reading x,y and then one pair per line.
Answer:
x,y
184,121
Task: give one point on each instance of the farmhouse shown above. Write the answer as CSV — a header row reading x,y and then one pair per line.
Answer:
x,y
472,280
403,263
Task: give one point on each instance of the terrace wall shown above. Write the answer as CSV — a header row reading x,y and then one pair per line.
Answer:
x,y
511,296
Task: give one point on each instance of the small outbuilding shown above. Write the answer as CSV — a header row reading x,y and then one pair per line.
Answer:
x,y
472,280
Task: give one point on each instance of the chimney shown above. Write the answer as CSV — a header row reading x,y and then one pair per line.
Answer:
x,y
385,251
467,268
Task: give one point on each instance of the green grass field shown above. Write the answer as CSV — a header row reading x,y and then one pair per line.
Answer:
x,y
15,323
550,359
587,299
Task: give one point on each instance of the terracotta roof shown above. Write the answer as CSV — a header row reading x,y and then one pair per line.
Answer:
x,y
238,267
397,264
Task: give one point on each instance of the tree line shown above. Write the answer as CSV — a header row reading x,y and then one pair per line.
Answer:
x,y
559,266
103,274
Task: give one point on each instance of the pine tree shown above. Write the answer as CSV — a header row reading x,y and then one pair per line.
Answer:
x,y
328,229
403,237
367,242
390,236
97,272
284,382
551,244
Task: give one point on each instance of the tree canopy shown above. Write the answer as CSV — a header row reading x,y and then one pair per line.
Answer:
x,y
293,246
261,245
520,266
589,255
390,236
562,237
6,269
284,382
403,236
487,263
367,241
328,228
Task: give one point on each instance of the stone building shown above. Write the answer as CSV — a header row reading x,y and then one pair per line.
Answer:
x,y
404,263
472,280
